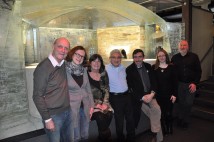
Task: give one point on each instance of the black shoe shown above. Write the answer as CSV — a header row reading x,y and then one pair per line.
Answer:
x,y
180,123
170,129
164,129
120,139
185,125
153,137
127,140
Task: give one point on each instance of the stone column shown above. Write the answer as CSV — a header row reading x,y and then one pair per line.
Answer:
x,y
13,96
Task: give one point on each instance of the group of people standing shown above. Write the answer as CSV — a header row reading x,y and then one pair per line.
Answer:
x,y
69,92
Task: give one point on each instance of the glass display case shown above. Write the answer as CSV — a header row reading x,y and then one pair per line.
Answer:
x,y
98,25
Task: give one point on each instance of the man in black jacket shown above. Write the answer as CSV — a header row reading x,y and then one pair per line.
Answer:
x,y
189,73
142,85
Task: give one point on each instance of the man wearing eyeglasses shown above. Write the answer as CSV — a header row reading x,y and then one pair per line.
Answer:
x,y
120,98
142,85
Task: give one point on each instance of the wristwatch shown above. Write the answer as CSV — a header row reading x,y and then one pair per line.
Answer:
x,y
153,92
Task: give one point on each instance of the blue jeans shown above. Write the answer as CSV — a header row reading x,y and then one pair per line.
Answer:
x,y
63,128
81,132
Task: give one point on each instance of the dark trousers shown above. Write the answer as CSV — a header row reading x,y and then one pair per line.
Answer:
x,y
185,101
103,122
166,106
136,111
123,109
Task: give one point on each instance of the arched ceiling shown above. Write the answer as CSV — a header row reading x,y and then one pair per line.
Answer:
x,y
91,14
89,19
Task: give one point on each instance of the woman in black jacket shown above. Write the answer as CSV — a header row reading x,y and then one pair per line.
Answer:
x,y
166,89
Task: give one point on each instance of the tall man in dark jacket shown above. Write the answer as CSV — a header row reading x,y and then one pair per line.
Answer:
x,y
142,84
50,93
189,73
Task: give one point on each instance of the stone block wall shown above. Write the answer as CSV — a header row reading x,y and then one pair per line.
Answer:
x,y
13,98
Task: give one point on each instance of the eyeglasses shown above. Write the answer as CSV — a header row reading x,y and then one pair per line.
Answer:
x,y
114,58
79,56
161,56
138,56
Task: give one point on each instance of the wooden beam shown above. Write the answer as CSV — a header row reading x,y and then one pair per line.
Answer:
x,y
187,19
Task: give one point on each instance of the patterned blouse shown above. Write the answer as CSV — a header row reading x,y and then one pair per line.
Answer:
x,y
100,91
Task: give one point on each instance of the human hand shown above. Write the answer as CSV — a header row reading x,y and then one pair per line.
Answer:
x,y
192,88
173,99
50,125
91,112
147,98
104,107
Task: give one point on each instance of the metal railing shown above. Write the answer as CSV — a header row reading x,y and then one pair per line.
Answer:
x,y
208,51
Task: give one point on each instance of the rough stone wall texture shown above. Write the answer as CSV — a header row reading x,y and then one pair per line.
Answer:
x,y
13,96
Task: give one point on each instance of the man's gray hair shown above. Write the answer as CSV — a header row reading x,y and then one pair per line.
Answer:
x,y
115,51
